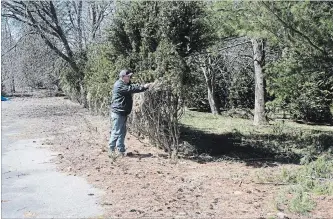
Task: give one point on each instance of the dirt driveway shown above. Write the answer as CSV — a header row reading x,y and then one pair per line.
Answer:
x,y
146,184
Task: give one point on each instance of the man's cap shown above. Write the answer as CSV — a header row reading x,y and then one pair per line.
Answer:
x,y
125,72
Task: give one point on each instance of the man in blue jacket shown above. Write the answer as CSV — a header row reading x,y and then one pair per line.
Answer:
x,y
121,107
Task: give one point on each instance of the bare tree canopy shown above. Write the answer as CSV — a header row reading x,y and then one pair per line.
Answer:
x,y
66,27
61,23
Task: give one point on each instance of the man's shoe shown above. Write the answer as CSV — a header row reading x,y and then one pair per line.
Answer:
x,y
121,154
112,154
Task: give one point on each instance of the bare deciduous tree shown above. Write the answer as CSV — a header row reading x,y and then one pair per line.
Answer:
x,y
218,66
64,28
8,60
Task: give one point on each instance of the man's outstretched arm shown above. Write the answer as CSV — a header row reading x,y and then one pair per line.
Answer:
x,y
134,88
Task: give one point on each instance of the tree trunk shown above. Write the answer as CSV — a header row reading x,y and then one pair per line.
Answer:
x,y
83,96
210,80
79,26
12,87
212,101
259,62
12,69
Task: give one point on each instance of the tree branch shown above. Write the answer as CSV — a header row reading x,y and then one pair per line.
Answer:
x,y
62,36
18,41
221,49
294,29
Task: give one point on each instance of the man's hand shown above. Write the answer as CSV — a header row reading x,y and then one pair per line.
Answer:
x,y
148,85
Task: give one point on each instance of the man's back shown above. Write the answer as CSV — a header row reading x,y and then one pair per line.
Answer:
x,y
122,100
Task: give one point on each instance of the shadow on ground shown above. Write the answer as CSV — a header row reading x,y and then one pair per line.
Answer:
x,y
256,149
138,155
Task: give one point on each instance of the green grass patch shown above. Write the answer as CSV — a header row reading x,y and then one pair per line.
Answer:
x,y
314,178
223,124
284,140
295,199
215,124
301,184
